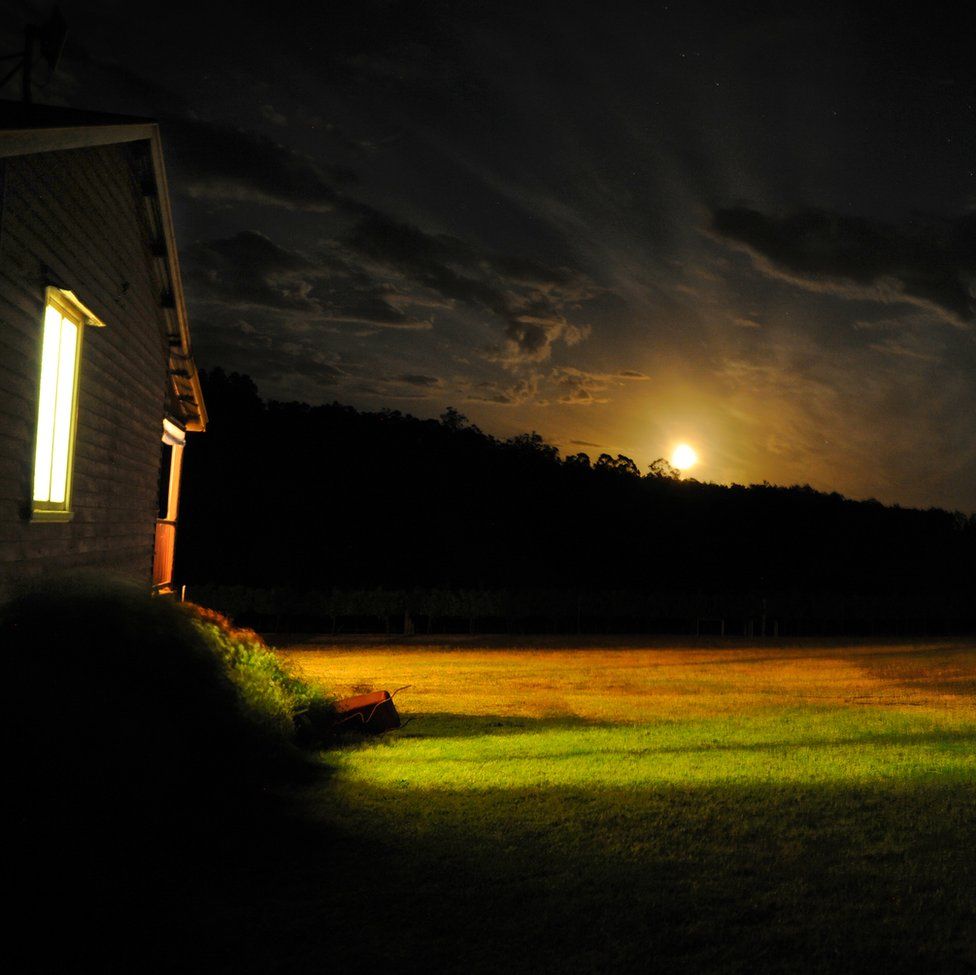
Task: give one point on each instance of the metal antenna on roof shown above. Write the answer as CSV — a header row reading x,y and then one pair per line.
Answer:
x,y
40,40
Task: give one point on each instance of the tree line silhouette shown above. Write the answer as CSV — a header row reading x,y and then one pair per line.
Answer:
x,y
343,518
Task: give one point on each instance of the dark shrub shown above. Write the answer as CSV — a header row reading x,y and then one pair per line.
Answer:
x,y
137,769
274,696
125,697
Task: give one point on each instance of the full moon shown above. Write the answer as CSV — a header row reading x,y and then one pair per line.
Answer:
x,y
684,457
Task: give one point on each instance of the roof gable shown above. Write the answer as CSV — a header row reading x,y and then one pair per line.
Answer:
x,y
29,129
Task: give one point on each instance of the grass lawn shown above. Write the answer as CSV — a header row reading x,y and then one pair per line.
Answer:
x,y
641,807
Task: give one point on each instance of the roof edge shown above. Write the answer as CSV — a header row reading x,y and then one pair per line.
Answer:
x,y
24,142
29,129
185,351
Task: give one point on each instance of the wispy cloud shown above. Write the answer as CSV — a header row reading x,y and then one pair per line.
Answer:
x,y
427,382
578,387
516,393
931,264
532,300
220,162
249,271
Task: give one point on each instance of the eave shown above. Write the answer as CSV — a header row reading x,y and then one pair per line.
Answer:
x,y
26,130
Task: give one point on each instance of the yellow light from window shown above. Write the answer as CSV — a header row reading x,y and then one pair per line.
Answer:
x,y
55,412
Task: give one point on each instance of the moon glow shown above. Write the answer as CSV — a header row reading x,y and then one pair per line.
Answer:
x,y
684,457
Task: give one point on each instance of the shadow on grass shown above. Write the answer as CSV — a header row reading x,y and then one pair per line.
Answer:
x,y
347,876
712,879
432,725
943,671
961,687
448,724
609,643
877,656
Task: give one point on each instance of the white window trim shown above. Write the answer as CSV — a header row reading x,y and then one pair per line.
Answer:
x,y
66,303
175,437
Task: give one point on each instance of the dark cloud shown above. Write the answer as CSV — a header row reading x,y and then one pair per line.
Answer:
x,y
928,264
209,160
505,394
346,296
529,271
416,380
532,299
575,388
383,268
288,363
536,301
907,347
579,387
506,179
275,117
221,162
249,271
385,390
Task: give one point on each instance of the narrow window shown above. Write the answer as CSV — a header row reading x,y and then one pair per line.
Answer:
x,y
64,321
165,480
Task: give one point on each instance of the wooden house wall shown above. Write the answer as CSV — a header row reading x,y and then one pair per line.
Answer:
x,y
80,214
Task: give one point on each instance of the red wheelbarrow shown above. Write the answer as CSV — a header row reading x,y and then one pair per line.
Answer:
x,y
371,713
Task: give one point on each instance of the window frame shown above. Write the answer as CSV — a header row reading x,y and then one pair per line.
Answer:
x,y
174,437
174,440
69,307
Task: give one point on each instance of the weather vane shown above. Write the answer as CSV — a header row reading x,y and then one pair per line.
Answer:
x,y
40,41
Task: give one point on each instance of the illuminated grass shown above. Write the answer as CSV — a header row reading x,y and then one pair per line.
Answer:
x,y
493,719
818,750
774,809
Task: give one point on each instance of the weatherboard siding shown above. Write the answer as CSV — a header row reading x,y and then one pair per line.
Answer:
x,y
78,217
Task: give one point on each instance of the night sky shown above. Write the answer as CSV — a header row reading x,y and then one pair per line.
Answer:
x,y
751,227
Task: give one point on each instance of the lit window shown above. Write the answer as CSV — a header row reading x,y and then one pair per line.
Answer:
x,y
64,321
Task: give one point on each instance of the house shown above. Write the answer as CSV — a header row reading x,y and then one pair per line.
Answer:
x,y
98,388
